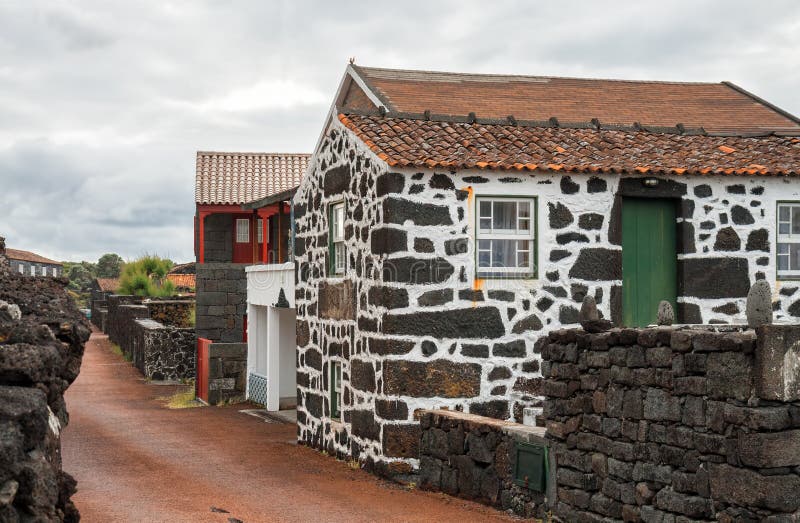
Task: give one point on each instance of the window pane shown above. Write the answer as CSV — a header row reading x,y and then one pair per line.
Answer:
x,y
504,215
783,262
486,224
794,256
524,209
523,253
524,224
484,245
484,259
783,248
783,213
796,220
504,253
242,230
339,257
783,228
485,209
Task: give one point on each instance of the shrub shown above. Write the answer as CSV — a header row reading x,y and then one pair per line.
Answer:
x,y
147,277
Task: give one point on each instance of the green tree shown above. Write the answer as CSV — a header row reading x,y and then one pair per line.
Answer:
x,y
109,266
146,277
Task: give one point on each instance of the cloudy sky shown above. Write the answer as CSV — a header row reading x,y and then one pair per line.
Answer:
x,y
103,104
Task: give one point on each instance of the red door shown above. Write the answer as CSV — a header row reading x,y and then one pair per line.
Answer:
x,y
246,229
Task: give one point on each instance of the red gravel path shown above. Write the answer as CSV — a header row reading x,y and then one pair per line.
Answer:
x,y
138,461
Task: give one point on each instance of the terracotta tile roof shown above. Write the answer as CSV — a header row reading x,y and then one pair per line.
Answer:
x,y
713,106
16,254
237,178
449,144
182,281
108,284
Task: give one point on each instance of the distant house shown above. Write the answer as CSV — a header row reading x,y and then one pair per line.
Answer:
x,y
32,264
103,287
182,277
228,237
448,220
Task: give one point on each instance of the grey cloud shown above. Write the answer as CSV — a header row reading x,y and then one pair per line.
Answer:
x,y
103,104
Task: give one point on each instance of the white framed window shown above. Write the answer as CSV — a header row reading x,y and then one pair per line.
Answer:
x,y
505,237
337,249
21,268
242,230
33,270
336,390
788,253
54,271
260,234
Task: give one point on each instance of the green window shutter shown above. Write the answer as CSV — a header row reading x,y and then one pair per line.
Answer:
x,y
334,382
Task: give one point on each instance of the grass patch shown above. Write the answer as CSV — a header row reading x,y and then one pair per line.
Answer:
x,y
183,400
118,351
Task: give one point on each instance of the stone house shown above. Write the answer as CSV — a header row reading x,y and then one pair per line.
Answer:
x,y
31,264
448,221
229,237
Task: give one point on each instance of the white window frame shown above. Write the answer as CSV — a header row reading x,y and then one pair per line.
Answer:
x,y
482,233
21,268
260,229
242,230
33,270
785,239
54,271
338,250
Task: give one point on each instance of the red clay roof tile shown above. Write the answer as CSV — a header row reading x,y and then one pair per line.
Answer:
x,y
460,145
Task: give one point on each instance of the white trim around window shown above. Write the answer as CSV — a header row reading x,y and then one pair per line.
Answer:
x,y
338,252
242,230
788,240
505,237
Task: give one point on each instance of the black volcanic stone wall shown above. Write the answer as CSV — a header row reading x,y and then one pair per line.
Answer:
x,y
42,335
672,424
221,301
473,457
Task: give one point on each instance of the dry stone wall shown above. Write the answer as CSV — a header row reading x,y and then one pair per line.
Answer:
x,y
674,424
227,373
473,457
42,335
163,352
412,325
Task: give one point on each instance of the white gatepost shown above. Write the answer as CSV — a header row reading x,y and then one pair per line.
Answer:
x,y
273,359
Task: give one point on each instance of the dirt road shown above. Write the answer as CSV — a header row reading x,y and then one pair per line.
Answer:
x,y
136,460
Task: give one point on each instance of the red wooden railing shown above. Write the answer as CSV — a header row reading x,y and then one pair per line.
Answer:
x,y
201,382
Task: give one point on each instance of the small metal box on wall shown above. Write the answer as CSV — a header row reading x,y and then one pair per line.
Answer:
x,y
530,466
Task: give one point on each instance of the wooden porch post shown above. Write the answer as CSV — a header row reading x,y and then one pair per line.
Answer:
x,y
280,232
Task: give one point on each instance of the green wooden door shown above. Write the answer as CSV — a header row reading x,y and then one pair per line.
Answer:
x,y
649,258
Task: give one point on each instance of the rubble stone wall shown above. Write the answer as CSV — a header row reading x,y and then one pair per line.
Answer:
x,y
98,308
227,374
114,321
42,335
671,424
221,301
163,352
175,313
473,457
